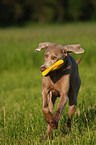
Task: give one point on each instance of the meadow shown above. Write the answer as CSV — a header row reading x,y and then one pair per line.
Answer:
x,y
21,117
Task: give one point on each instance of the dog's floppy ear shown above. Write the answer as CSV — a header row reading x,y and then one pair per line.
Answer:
x,y
43,45
76,48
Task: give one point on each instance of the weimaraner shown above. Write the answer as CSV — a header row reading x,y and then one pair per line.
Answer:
x,y
63,82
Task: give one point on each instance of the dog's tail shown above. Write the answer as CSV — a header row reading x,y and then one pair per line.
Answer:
x,y
78,60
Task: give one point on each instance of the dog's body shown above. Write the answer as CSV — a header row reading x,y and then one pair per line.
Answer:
x,y
64,82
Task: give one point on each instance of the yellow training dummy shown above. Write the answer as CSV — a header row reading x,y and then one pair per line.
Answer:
x,y
54,66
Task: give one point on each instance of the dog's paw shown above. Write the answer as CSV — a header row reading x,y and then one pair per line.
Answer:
x,y
55,120
68,125
49,117
54,124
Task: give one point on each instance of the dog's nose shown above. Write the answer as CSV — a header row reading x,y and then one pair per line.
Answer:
x,y
42,68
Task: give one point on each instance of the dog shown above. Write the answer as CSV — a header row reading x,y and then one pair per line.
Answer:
x,y
63,82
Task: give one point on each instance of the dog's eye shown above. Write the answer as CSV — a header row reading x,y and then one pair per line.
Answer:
x,y
53,57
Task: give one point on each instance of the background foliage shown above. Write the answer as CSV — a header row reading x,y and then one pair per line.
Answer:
x,y
20,11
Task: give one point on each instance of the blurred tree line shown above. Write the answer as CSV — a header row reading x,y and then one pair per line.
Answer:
x,y
20,11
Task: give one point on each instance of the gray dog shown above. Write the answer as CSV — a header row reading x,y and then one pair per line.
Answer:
x,y
63,82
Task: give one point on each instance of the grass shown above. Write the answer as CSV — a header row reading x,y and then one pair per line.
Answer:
x,y
21,117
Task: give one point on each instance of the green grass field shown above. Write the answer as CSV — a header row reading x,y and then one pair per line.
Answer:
x,y
21,117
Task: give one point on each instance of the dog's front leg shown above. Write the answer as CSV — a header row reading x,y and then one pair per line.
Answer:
x,y
50,105
52,99
46,111
61,104
64,88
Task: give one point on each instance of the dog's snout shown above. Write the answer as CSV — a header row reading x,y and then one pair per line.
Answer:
x,y
42,68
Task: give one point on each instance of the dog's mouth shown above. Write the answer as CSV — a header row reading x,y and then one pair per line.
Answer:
x,y
42,68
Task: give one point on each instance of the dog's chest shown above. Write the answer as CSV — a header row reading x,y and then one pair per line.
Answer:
x,y
58,85
54,88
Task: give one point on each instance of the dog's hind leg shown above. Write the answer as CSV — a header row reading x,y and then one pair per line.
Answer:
x,y
72,110
73,92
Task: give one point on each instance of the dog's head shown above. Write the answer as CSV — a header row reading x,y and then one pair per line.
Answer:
x,y
55,52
